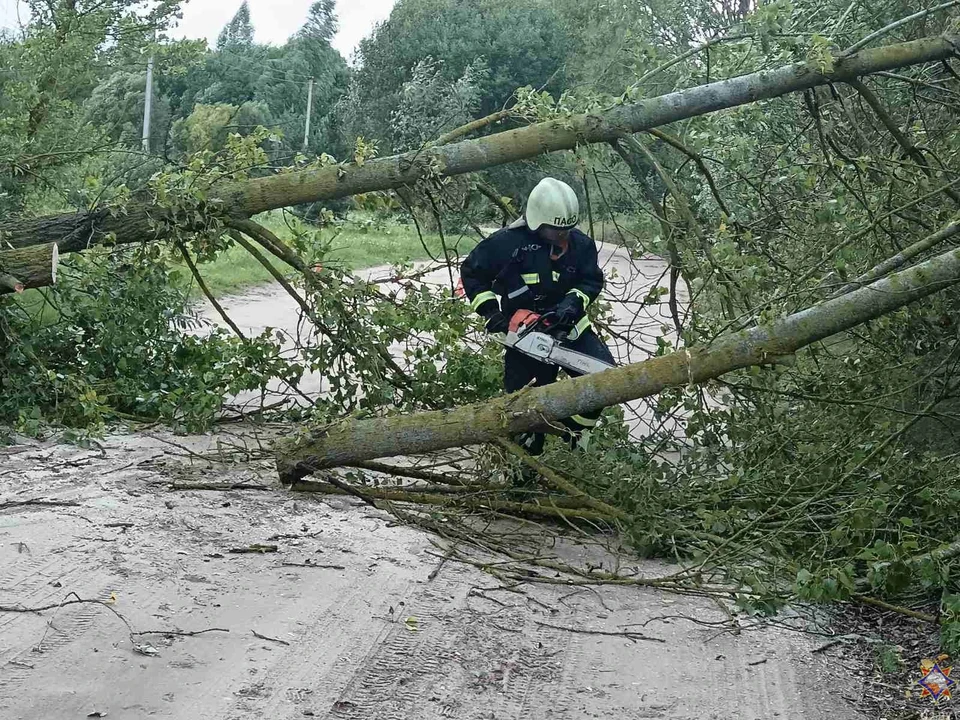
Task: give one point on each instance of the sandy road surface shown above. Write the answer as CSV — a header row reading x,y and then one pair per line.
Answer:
x,y
351,647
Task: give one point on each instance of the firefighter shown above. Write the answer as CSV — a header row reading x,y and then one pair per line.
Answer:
x,y
540,263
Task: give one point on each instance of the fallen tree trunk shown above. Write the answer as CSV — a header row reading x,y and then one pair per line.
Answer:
x,y
356,441
76,231
902,258
29,267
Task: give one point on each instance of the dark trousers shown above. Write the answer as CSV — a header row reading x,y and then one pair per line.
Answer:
x,y
520,369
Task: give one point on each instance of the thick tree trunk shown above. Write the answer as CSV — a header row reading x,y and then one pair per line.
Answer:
x,y
29,267
74,232
356,441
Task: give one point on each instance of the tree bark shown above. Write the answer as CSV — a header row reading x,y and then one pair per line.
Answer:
x,y
76,231
356,441
30,267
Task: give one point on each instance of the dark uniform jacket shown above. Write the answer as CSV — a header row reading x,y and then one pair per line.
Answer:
x,y
515,264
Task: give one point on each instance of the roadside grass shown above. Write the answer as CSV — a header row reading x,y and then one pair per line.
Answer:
x,y
359,243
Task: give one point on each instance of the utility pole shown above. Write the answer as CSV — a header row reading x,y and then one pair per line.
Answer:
x,y
306,131
148,105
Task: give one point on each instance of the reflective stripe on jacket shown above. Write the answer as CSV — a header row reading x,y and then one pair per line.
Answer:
x,y
515,264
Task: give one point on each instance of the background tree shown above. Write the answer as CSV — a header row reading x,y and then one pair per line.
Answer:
x,y
321,24
49,71
522,43
238,33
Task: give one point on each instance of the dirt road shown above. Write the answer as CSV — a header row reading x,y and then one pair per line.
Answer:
x,y
358,628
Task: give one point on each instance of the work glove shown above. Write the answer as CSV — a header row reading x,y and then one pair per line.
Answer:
x,y
568,311
497,322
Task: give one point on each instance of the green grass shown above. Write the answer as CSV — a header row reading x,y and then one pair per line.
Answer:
x,y
359,244
33,304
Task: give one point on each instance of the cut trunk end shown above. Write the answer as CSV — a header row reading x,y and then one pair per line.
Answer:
x,y
29,267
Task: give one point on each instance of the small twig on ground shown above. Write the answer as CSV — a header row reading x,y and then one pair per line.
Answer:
x,y
481,592
217,486
188,451
16,449
866,600
73,599
120,525
265,637
504,629
583,590
294,536
629,635
131,464
443,561
83,460
695,621
826,646
543,605
255,548
38,503
313,565
24,609
337,483
76,600
179,633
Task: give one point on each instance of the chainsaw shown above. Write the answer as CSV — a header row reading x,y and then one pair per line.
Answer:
x,y
540,337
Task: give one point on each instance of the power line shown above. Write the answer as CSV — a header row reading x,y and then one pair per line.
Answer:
x,y
273,73
262,68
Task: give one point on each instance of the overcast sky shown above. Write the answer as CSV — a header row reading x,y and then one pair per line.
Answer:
x,y
273,20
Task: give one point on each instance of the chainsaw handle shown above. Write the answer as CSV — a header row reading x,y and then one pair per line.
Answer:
x,y
551,325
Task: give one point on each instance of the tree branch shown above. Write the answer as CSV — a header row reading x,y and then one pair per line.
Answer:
x,y
894,25
277,247
901,258
470,127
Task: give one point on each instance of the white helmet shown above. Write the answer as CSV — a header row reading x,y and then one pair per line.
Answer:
x,y
552,202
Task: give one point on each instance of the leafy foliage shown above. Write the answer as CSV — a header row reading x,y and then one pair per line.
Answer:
x,y
48,72
122,346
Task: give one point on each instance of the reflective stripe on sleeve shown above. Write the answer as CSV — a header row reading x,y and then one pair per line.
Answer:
x,y
530,278
583,296
481,298
580,328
